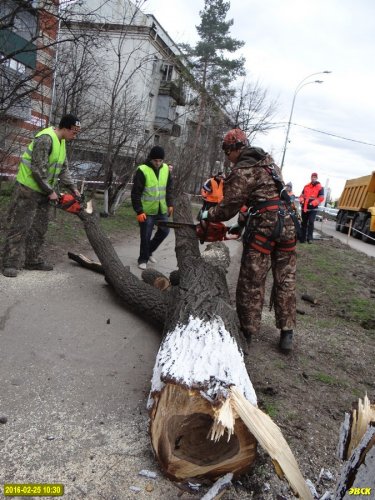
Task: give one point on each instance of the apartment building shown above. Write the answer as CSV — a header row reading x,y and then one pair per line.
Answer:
x,y
27,53
133,51
138,91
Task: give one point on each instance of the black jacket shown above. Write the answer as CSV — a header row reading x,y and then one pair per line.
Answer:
x,y
139,182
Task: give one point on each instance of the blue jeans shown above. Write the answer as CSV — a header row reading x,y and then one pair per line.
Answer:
x,y
148,245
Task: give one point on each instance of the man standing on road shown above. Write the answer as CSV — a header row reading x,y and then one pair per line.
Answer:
x,y
42,166
255,181
311,197
152,201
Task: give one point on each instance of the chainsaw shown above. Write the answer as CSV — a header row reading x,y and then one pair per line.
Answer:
x,y
206,232
69,203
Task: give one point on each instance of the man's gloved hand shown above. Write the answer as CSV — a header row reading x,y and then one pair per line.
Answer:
x,y
170,211
141,217
202,215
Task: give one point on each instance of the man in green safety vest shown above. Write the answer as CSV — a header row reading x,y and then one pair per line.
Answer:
x,y
42,166
152,201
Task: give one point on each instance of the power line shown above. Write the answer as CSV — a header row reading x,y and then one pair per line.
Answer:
x,y
335,135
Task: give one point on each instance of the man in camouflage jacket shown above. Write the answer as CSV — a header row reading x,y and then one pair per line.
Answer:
x,y
270,237
42,166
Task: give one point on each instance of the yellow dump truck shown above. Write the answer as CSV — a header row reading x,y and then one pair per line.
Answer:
x,y
357,208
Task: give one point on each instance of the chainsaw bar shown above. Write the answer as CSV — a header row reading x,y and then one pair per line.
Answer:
x,y
176,225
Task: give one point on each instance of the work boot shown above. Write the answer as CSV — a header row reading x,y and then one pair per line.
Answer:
x,y
286,340
39,266
10,272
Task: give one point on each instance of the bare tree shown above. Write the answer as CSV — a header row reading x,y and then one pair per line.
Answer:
x,y
100,80
251,110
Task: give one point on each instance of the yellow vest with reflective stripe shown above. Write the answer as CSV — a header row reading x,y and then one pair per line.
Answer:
x,y
155,190
55,162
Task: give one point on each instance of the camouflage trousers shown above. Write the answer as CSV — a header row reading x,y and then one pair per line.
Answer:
x,y
28,224
251,288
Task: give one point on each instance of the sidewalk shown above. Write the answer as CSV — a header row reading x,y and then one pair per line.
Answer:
x,y
75,367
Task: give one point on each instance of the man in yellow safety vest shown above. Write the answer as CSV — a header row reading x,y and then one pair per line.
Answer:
x,y
42,166
152,201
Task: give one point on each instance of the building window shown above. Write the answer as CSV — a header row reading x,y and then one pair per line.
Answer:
x,y
13,64
155,65
146,136
150,99
20,17
25,25
166,72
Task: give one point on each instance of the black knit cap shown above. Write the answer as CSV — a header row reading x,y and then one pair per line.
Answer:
x,y
156,153
69,121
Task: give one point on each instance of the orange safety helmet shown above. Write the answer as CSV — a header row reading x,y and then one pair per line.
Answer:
x,y
234,139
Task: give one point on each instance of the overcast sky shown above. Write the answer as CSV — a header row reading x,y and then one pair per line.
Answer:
x,y
285,41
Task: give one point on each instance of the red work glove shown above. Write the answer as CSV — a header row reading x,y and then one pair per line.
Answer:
x,y
141,217
315,203
170,211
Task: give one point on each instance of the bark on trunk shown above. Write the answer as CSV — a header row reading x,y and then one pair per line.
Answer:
x,y
146,301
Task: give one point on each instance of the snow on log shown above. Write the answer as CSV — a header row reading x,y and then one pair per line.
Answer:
x,y
195,367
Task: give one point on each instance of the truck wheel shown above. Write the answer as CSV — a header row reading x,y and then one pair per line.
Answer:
x,y
368,235
357,226
338,222
343,228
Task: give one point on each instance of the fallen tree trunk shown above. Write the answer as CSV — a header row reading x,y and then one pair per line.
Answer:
x,y
199,374
146,301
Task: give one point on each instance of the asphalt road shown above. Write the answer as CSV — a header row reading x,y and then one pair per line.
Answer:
x,y
328,228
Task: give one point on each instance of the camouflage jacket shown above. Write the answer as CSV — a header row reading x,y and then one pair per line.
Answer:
x,y
249,183
39,165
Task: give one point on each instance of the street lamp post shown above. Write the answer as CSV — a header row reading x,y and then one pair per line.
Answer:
x,y
301,84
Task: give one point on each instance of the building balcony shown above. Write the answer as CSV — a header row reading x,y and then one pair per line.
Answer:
x,y
174,90
166,126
